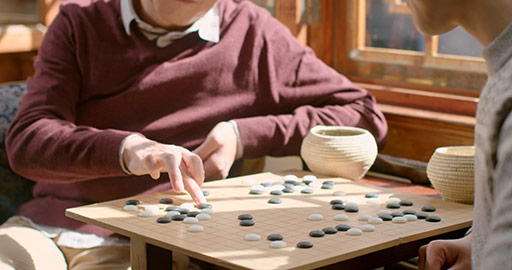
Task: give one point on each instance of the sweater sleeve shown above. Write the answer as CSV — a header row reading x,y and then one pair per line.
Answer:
x,y
307,93
497,246
43,142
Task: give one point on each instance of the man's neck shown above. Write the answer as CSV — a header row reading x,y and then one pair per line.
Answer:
x,y
485,19
146,15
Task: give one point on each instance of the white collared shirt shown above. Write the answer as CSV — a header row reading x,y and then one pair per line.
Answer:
x,y
208,26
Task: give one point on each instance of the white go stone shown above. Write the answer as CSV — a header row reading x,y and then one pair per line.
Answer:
x,y
130,208
384,212
374,201
394,200
151,207
203,217
207,211
411,217
315,184
368,228
252,237
309,177
278,244
187,205
146,213
195,228
267,189
364,217
375,220
341,217
190,220
172,213
290,177
315,217
339,193
249,181
351,204
354,231
278,187
399,220
256,187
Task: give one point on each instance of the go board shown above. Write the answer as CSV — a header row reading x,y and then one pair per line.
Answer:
x,y
222,241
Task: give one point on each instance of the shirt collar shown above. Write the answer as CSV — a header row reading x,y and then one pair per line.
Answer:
x,y
207,26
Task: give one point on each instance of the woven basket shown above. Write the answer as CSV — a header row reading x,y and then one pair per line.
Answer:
x,y
346,152
451,172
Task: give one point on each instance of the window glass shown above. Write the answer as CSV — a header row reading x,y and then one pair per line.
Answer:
x,y
391,30
459,42
267,4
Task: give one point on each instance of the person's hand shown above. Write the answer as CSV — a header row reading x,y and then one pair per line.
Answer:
x,y
143,156
218,151
446,254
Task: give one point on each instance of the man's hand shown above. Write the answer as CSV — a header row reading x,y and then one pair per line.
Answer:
x,y
143,156
446,254
218,151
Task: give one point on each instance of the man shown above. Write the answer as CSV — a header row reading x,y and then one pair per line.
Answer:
x,y
488,245
124,89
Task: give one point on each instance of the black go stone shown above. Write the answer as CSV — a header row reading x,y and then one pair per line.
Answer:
x,y
163,219
343,227
255,192
393,205
206,193
246,223
325,186
336,202
275,237
266,184
330,230
245,217
338,206
421,215
275,201
183,211
302,184
307,182
307,191
433,219
397,214
304,244
371,195
328,183
276,192
171,208
288,186
132,202
205,206
288,190
178,217
428,209
409,212
291,182
166,200
406,203
351,209
316,233
386,217
193,214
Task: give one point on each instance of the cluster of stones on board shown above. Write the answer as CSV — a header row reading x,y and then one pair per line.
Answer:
x,y
308,185
186,213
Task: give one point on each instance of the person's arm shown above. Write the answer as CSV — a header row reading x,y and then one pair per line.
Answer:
x,y
443,254
45,144
498,244
307,93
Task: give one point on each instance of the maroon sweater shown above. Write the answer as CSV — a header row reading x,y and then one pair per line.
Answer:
x,y
94,85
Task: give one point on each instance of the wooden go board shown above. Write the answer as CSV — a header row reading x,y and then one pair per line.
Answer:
x,y
222,241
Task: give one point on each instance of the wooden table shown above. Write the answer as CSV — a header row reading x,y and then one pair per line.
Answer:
x,y
222,242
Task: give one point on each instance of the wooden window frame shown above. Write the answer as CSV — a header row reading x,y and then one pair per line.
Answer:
x,y
421,117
